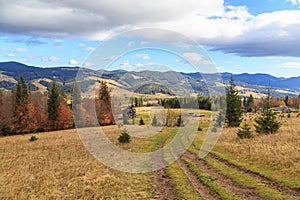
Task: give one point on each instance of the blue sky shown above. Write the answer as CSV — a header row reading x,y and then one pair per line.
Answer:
x,y
254,36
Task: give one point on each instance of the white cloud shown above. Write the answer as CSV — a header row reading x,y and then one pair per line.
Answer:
x,y
89,49
126,65
23,59
131,43
290,65
49,59
73,62
88,64
214,23
141,56
81,45
10,55
21,50
294,2
196,58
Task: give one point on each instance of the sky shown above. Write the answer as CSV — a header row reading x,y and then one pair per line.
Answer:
x,y
246,36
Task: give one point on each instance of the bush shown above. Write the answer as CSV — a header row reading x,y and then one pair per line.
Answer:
x,y
298,115
6,130
33,138
245,132
124,137
289,115
154,121
179,121
141,122
199,128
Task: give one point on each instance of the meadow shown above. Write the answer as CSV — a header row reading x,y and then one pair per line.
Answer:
x,y
58,166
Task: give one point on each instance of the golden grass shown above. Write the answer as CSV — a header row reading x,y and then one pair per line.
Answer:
x,y
57,166
276,156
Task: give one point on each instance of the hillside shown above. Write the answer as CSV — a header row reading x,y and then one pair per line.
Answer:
x,y
146,81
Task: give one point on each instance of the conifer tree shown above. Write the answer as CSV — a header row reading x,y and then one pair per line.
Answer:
x,y
53,102
104,93
233,108
266,123
21,115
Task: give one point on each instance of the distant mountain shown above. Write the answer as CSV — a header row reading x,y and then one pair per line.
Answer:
x,y
146,81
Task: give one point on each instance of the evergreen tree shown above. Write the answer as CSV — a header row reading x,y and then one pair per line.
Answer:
x,y
179,121
21,114
154,121
53,102
286,100
141,122
234,109
76,94
250,101
266,123
245,132
104,93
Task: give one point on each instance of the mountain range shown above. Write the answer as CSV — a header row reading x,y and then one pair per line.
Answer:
x,y
147,82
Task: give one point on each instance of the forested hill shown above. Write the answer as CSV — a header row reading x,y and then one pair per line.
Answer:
x,y
38,76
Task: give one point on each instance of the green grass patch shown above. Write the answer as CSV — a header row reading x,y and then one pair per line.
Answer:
x,y
246,180
210,182
182,183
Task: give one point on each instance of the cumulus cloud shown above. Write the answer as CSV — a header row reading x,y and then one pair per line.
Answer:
x,y
294,2
290,65
141,56
10,55
49,59
126,65
231,29
21,50
73,62
89,49
196,58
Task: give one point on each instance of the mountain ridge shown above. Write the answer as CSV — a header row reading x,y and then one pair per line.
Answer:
x,y
257,81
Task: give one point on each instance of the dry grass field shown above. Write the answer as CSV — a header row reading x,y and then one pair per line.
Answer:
x,y
57,166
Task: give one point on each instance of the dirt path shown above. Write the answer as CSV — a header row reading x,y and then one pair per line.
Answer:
x,y
285,190
247,193
163,182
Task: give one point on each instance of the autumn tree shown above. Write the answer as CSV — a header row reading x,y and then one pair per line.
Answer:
x,y
233,108
21,112
64,118
103,105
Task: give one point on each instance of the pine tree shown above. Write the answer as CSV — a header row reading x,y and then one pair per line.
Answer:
x,y
21,115
245,132
53,102
179,121
104,93
266,123
76,94
250,101
233,109
141,122
154,121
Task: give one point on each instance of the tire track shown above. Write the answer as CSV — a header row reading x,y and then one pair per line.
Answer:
x,y
272,184
164,185
230,185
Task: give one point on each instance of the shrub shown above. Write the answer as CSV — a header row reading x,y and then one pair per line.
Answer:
x,y
33,138
6,130
141,122
179,121
124,137
245,132
298,115
154,121
199,128
289,115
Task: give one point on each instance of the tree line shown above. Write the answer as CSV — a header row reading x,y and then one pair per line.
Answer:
x,y
23,111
